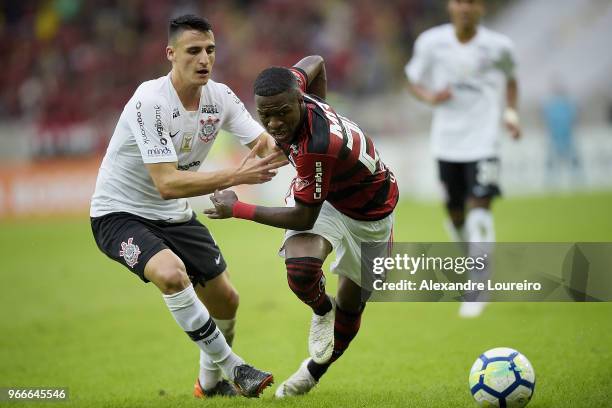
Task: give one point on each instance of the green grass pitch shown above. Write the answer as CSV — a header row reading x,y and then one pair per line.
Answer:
x,y
70,317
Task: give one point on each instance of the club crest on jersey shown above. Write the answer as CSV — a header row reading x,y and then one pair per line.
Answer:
x,y
299,184
208,130
129,252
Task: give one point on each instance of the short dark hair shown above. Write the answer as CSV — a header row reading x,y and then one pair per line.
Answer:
x,y
273,81
187,22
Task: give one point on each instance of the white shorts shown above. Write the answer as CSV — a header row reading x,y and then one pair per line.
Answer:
x,y
346,235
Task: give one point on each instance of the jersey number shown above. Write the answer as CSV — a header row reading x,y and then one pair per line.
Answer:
x,y
351,128
487,172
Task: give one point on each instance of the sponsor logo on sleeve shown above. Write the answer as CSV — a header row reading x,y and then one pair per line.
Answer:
x,y
233,95
159,126
237,100
157,151
140,121
130,251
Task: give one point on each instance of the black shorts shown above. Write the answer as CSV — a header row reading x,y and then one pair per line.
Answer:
x,y
462,180
132,240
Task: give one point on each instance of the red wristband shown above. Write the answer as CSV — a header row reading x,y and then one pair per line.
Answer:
x,y
243,210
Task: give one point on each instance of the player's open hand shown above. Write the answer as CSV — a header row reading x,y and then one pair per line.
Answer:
x,y
515,131
254,170
224,204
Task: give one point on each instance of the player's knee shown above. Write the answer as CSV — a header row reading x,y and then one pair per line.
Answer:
x,y
232,300
303,273
172,279
167,271
350,305
479,202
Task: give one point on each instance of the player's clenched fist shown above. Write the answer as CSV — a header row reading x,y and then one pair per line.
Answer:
x,y
224,203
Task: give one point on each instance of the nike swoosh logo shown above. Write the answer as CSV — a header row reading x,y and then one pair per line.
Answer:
x,y
172,135
218,259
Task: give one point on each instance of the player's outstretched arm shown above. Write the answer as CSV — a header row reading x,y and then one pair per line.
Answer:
x,y
298,218
511,117
314,67
427,96
173,183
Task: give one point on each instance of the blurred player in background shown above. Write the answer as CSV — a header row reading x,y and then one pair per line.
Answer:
x,y
467,72
560,114
343,195
142,219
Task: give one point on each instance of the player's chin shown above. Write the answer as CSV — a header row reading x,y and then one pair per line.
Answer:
x,y
200,79
281,137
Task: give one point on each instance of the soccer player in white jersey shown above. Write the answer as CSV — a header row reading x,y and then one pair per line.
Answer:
x,y
466,72
139,212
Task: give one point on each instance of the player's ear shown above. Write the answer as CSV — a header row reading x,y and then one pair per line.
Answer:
x,y
170,55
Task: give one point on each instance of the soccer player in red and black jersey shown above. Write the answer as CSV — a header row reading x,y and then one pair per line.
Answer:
x,y
342,195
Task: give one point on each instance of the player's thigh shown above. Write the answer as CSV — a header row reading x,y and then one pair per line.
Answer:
x,y
453,178
320,240
349,296
219,296
482,178
127,239
195,245
307,245
363,242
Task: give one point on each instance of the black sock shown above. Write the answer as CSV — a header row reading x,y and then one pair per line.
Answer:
x,y
317,370
324,307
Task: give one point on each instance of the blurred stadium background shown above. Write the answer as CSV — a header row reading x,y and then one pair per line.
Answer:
x,y
70,66
70,317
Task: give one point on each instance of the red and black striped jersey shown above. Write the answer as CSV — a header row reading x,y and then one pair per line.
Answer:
x,y
337,162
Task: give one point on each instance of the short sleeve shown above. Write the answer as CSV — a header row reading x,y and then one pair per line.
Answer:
x,y
314,173
419,65
239,121
508,59
149,119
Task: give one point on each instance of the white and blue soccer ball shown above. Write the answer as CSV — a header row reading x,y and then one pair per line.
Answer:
x,y
502,377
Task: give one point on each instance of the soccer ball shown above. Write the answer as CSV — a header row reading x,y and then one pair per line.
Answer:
x,y
502,377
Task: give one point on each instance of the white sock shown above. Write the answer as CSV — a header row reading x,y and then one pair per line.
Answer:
x,y
195,320
479,225
210,374
481,236
228,328
456,234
